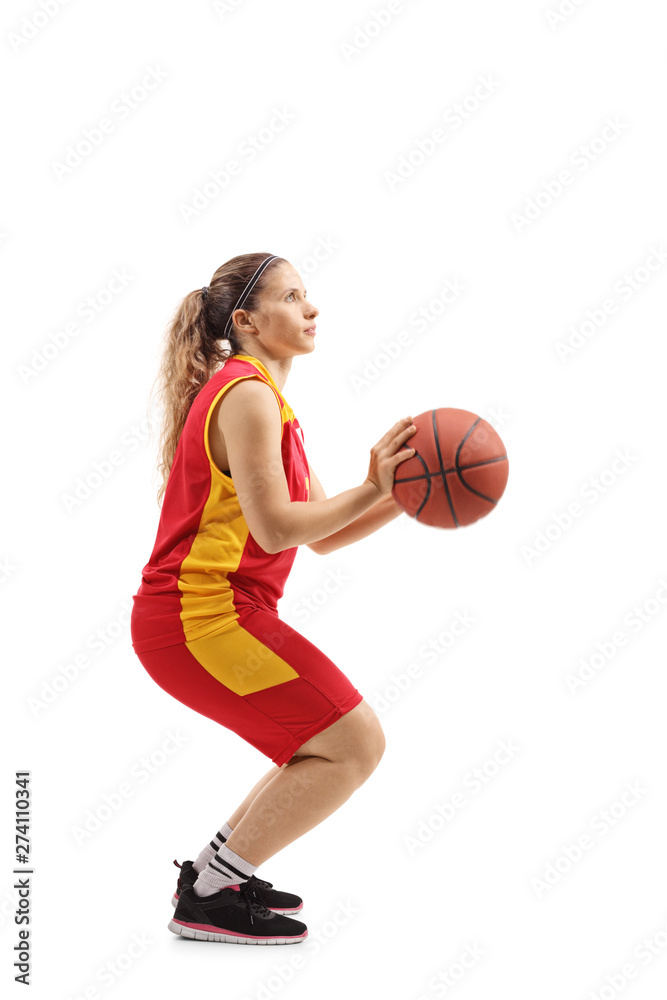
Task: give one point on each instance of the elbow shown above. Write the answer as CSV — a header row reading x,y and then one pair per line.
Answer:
x,y
321,547
274,542
271,534
272,547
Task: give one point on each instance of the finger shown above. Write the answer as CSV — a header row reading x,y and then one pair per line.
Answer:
x,y
396,429
403,436
408,432
402,454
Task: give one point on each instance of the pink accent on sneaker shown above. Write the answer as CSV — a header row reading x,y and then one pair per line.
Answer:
x,y
221,930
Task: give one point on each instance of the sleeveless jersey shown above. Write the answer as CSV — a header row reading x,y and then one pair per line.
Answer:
x,y
206,569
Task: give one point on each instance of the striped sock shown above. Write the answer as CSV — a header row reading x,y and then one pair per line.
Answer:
x,y
225,868
209,851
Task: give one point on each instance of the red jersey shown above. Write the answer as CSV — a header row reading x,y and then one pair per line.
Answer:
x,y
206,568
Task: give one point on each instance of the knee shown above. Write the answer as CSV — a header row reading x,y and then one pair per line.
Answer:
x,y
355,742
369,746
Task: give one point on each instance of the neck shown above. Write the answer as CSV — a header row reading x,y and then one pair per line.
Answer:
x,y
278,368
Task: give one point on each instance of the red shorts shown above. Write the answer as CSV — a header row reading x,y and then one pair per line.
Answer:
x,y
258,677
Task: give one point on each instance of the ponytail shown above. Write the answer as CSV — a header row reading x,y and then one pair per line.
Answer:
x,y
194,351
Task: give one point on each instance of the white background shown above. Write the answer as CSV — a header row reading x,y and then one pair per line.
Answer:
x,y
388,916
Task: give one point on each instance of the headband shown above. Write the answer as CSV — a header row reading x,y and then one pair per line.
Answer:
x,y
246,292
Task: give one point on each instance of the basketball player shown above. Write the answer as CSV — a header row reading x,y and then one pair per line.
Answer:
x,y
238,497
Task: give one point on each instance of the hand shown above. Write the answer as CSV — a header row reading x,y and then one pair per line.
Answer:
x,y
388,453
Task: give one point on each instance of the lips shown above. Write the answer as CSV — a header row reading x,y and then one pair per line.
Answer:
x,y
311,330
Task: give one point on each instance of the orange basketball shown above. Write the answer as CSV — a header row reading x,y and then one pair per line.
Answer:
x,y
459,471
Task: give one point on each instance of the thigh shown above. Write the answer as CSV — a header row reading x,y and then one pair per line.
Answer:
x,y
260,678
178,672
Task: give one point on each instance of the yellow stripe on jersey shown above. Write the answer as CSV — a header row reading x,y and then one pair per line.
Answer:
x,y
205,591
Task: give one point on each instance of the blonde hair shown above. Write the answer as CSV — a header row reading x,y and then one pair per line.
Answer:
x,y
193,350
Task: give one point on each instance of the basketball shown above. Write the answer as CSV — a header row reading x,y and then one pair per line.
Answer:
x,y
458,473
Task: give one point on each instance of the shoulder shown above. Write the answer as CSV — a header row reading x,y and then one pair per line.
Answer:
x,y
250,399
232,368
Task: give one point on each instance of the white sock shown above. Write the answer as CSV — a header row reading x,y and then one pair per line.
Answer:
x,y
209,851
225,868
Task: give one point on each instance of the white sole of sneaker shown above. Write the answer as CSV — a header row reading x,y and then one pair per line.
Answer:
x,y
201,934
285,913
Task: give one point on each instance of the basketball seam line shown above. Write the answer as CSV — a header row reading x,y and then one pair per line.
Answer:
x,y
459,467
425,475
442,468
462,468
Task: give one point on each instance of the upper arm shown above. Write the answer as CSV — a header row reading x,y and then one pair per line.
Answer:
x,y
250,421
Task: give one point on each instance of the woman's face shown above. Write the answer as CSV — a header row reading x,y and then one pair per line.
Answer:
x,y
279,325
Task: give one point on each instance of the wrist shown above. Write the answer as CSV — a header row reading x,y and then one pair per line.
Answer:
x,y
387,502
373,490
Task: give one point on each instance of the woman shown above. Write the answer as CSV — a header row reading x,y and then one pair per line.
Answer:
x,y
238,496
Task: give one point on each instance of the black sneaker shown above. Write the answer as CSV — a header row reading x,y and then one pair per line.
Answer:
x,y
234,914
273,899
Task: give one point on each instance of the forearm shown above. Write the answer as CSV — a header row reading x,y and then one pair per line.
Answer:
x,y
385,510
303,522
